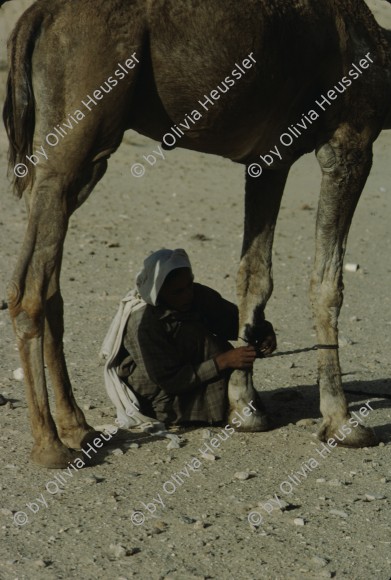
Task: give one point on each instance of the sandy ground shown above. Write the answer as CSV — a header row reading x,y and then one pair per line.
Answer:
x,y
335,521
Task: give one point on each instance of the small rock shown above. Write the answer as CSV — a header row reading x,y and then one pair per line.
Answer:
x,y
18,374
283,505
117,451
335,483
5,512
321,480
242,475
3,400
321,562
299,522
339,513
161,525
40,564
374,496
118,550
87,406
209,456
306,422
173,444
206,434
187,520
3,305
344,341
382,189
199,525
350,267
9,406
92,479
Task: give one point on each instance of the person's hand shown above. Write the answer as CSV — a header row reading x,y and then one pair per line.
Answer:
x,y
263,337
241,358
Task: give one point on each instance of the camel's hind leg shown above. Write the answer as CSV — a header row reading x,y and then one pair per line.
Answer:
x,y
345,162
37,312
71,424
255,284
41,252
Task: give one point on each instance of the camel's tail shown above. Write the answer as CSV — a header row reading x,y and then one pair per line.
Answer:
x,y
19,106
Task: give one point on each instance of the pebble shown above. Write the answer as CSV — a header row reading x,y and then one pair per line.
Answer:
x,y
209,456
173,444
206,434
118,550
199,525
321,562
5,512
117,451
18,374
129,445
351,267
87,406
242,475
40,564
374,496
161,525
335,482
283,505
306,422
187,520
344,341
299,522
3,305
339,513
92,479
321,480
3,400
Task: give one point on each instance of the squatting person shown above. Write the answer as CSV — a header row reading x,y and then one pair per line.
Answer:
x,y
172,345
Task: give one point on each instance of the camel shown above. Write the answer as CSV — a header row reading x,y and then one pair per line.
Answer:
x,y
177,58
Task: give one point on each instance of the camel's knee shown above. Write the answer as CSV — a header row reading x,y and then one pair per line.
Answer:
x,y
26,313
254,284
326,300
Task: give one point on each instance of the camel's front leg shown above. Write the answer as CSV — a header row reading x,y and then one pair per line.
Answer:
x,y
255,285
345,163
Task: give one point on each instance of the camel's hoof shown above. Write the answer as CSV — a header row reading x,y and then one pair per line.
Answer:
x,y
76,437
255,422
54,455
348,435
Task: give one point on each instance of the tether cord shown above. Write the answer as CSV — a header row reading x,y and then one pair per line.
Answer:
x,y
299,350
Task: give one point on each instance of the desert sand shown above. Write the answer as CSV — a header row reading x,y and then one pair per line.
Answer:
x,y
334,520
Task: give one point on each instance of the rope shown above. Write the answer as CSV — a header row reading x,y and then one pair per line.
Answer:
x,y
297,351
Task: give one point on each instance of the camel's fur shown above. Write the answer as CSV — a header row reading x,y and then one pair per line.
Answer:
x,y
61,51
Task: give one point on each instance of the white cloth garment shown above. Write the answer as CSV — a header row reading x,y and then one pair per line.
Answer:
x,y
123,398
156,268
149,282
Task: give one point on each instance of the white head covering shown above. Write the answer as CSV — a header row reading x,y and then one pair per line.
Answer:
x,y
156,268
